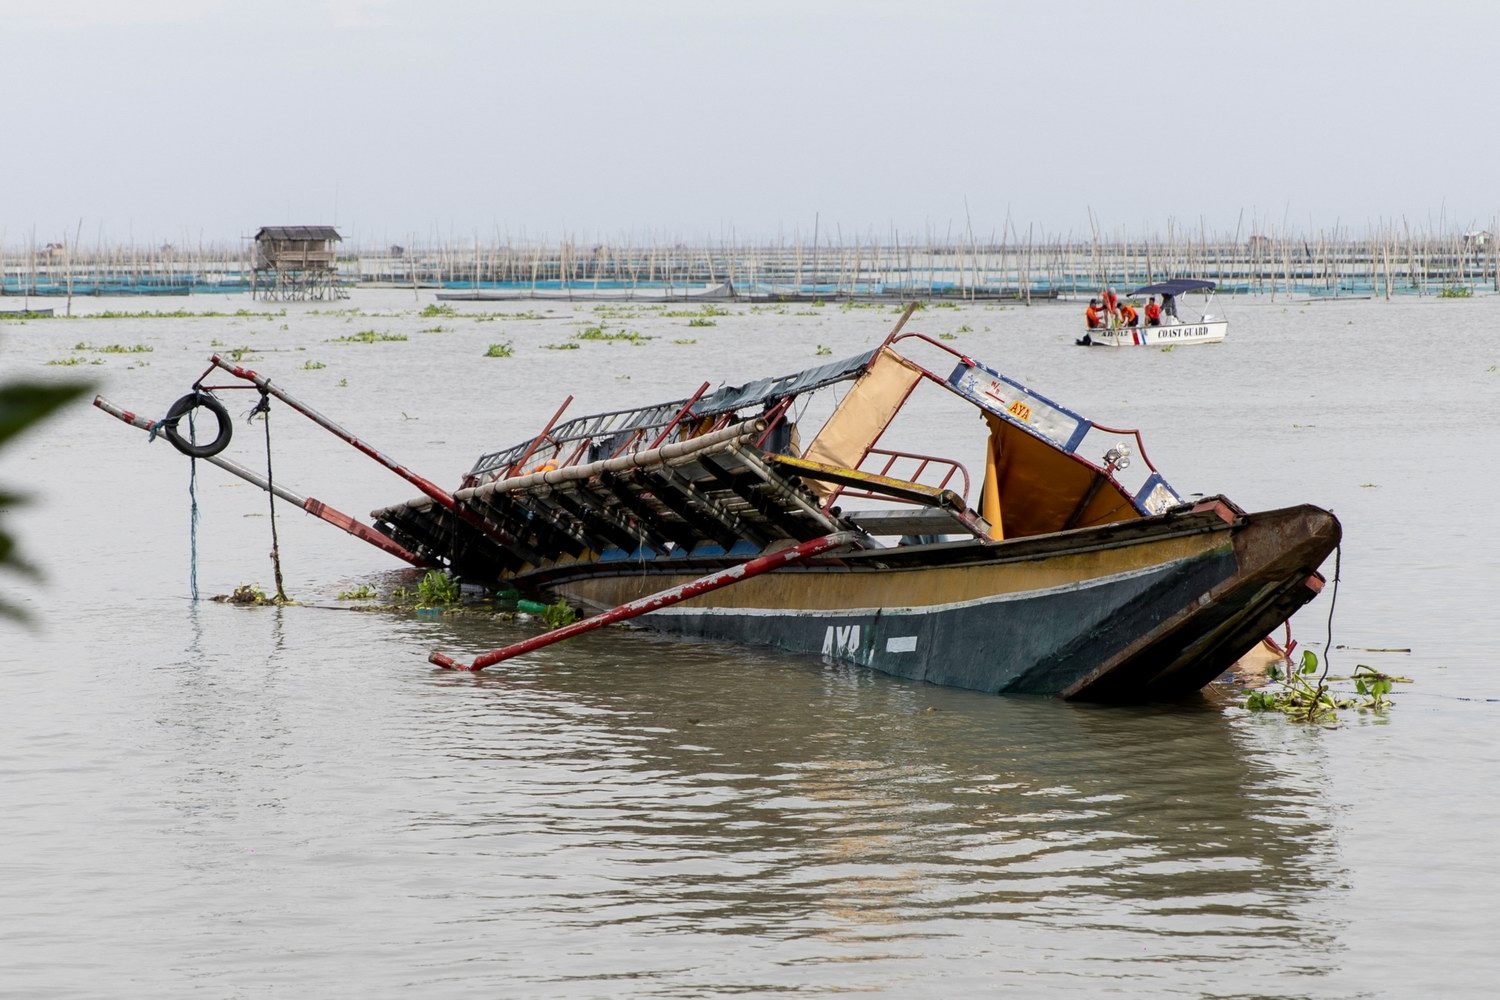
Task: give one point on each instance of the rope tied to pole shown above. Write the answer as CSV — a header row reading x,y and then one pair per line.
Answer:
x,y
193,518
264,407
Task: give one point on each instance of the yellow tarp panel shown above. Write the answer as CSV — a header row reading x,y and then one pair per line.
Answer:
x,y
862,416
1041,488
989,502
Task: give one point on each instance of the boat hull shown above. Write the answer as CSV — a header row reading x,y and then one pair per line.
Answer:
x,y
1144,611
1201,332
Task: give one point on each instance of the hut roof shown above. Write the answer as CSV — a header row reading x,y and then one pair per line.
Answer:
x,y
298,233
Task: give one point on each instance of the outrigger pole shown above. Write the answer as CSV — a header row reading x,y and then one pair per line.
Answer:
x,y
430,489
661,599
315,507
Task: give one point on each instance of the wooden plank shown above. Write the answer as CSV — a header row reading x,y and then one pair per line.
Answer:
x,y
900,489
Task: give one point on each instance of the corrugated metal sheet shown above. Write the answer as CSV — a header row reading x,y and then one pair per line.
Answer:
x,y
298,233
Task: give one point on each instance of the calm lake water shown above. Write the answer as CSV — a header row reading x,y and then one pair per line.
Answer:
x,y
204,800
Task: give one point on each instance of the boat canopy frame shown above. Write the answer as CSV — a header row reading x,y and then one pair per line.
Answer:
x,y
1177,286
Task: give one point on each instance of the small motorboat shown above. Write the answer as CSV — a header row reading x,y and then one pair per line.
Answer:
x,y
1206,329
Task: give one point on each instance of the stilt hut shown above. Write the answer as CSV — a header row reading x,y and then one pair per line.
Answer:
x,y
296,262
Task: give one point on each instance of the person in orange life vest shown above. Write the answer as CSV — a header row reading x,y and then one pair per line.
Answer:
x,y
1095,318
1111,303
1153,312
1128,315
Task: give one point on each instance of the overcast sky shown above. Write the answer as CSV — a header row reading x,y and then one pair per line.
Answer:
x,y
187,120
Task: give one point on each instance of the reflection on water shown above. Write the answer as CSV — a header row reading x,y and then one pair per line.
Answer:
x,y
798,802
215,801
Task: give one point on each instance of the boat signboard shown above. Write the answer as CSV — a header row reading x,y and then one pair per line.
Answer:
x,y
1010,400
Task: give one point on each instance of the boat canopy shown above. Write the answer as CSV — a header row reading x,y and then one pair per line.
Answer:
x,y
1175,286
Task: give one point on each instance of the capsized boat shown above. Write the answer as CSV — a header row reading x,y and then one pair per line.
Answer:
x,y
708,517
1206,329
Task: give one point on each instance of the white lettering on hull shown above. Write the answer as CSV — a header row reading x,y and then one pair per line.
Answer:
x,y
841,642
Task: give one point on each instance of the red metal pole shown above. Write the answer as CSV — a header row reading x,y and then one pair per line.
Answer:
x,y
680,414
262,383
317,508
661,599
430,489
518,463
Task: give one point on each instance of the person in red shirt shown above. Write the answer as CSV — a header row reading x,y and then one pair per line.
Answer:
x,y
1095,318
1128,315
1110,302
1153,312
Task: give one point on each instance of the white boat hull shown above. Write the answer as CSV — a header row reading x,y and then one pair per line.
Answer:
x,y
1205,331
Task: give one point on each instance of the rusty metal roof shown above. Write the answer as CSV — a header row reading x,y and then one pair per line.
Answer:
x,y
297,233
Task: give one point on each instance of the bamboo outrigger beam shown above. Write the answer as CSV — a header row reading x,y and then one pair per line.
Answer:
x,y
661,599
315,507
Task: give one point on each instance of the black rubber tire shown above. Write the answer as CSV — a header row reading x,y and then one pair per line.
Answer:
x,y
180,409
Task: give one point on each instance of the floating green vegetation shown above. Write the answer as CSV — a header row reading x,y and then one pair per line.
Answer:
x,y
369,337
250,594
559,614
701,321
685,340
706,310
438,588
1301,698
364,592
528,314
945,305
75,360
947,336
239,353
313,366
343,383
567,345
113,348
180,314
438,309
965,328
823,350
434,329
150,314
849,305
1456,292
500,350
25,314
600,332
